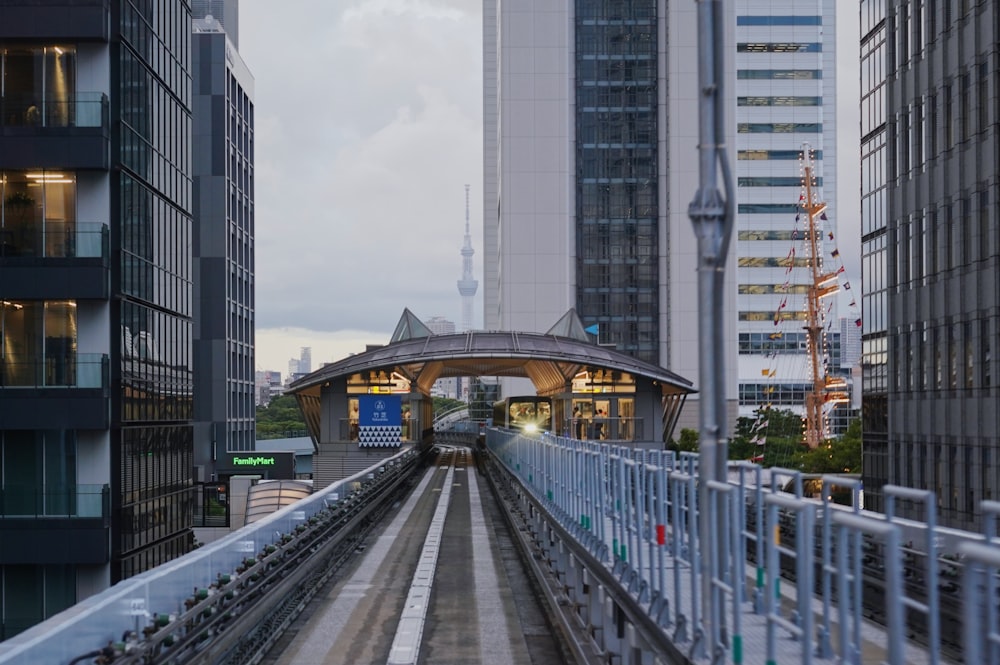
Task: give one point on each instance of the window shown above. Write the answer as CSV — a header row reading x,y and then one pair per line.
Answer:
x,y
949,119
39,85
783,155
965,107
779,47
769,209
775,181
779,101
779,127
779,20
779,74
986,352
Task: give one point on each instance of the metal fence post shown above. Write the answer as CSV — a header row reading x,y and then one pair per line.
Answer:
x,y
931,608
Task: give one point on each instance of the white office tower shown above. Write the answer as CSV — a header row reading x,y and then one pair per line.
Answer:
x,y
449,386
440,325
467,285
785,103
305,360
590,164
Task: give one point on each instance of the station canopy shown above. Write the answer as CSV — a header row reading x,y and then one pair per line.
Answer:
x,y
552,360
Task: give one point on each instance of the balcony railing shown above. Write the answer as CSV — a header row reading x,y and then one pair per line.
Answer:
x,y
606,429
84,109
54,370
79,501
50,239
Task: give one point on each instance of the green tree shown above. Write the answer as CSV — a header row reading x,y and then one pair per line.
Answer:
x,y
688,441
840,455
281,418
780,429
446,404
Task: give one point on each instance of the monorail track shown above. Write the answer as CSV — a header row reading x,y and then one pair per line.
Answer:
x,y
439,582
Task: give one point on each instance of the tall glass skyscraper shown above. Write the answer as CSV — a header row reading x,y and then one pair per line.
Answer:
x,y
223,130
590,111
929,180
95,298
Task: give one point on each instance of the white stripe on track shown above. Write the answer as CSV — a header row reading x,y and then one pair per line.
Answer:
x,y
331,623
494,645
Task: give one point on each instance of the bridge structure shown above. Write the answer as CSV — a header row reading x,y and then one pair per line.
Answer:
x,y
617,526
641,402
797,579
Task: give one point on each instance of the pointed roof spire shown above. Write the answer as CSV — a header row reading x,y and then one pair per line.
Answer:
x,y
409,327
570,326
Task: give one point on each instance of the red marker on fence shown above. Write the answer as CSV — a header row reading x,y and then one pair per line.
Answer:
x,y
661,534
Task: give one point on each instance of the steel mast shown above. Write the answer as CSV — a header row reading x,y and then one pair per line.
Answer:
x,y
825,389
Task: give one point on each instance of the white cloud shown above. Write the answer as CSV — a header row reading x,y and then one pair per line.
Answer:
x,y
368,125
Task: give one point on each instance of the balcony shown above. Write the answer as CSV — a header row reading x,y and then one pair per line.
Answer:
x,y
62,390
36,523
79,250
67,133
70,20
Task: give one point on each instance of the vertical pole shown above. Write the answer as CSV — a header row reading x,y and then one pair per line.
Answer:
x,y
711,215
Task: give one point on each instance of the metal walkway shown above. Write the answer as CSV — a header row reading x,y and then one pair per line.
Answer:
x,y
634,512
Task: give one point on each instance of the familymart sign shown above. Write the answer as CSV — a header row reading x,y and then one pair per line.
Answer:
x,y
270,465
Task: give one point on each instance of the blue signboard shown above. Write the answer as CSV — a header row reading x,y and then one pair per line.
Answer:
x,y
380,420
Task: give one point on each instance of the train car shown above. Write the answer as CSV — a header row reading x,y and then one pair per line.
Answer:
x,y
529,413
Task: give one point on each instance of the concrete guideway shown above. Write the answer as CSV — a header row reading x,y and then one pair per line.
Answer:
x,y
429,587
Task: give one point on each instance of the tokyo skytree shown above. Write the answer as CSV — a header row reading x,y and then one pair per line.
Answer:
x,y
467,285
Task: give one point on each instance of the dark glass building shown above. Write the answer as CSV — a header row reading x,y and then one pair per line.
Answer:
x,y
590,164
223,243
96,291
930,244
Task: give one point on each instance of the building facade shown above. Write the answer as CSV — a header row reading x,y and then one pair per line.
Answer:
x,y
96,305
590,163
223,151
786,87
929,146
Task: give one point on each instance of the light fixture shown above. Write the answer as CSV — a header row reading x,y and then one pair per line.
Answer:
x,y
57,50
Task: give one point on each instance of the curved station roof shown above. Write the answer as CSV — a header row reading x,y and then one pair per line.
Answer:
x,y
550,359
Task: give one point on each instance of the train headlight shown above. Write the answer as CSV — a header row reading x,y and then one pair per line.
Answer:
x,y
531,428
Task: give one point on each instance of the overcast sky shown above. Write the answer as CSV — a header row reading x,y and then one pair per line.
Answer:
x,y
368,127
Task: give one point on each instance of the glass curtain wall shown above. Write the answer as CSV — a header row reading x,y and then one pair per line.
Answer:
x,y
38,213
874,334
153,443
38,343
616,195
37,473
38,86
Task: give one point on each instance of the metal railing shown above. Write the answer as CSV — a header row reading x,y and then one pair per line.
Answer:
x,y
52,370
820,566
604,429
74,501
50,239
82,109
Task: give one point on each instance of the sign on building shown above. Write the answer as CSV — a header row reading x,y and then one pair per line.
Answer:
x,y
380,420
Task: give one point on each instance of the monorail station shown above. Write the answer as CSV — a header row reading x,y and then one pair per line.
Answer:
x,y
366,406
